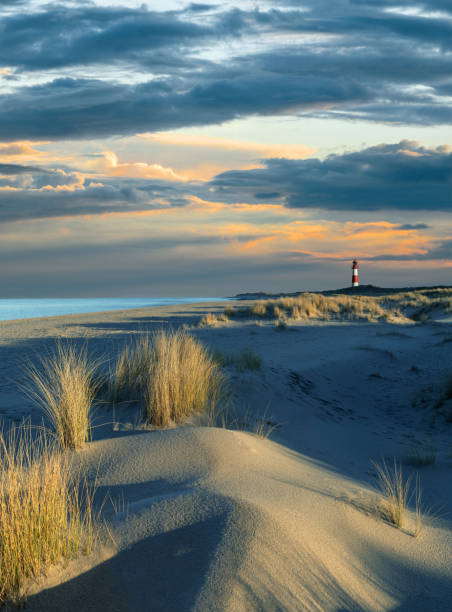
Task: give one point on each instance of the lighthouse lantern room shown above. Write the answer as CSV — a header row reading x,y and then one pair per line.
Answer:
x,y
355,273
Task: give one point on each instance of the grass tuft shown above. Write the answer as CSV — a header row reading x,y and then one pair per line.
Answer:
x,y
45,515
397,493
208,320
182,379
229,312
419,457
131,368
64,384
171,373
259,309
247,360
281,325
246,420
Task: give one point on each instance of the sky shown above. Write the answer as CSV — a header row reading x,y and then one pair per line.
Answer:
x,y
168,148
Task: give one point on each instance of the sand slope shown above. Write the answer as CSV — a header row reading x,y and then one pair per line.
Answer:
x,y
213,519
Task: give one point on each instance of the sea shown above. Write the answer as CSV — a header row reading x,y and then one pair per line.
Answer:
x,y
28,308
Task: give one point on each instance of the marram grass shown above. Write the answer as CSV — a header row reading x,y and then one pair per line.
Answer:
x,y
64,384
172,373
183,379
131,369
45,514
397,493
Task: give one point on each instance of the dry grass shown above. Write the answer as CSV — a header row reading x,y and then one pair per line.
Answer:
x,y
182,379
208,320
420,457
212,320
64,384
131,369
397,493
259,309
45,516
264,426
171,373
318,306
281,325
403,307
245,360
246,420
229,312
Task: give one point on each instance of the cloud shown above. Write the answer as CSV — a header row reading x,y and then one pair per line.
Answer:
x,y
31,178
42,38
13,169
113,167
197,141
403,176
410,227
153,71
399,177
19,149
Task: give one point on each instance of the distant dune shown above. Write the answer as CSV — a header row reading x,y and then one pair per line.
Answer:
x,y
371,290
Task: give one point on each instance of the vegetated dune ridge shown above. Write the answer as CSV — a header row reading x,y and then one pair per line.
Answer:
x,y
217,519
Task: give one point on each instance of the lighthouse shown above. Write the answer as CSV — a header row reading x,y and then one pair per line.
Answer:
x,y
355,273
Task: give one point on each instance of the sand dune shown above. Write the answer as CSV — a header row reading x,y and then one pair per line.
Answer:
x,y
206,518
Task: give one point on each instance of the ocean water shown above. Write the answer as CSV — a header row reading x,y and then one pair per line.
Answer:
x,y
27,308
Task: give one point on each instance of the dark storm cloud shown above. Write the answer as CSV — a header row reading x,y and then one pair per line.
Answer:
x,y
197,7
409,226
87,108
13,169
403,176
363,62
61,36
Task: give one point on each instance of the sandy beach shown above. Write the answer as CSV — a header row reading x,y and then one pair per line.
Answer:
x,y
215,519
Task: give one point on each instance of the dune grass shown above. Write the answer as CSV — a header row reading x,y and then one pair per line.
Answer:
x,y
245,360
420,457
403,307
259,309
248,360
183,379
281,325
229,312
317,306
212,320
45,515
64,384
171,374
208,320
245,419
397,493
131,369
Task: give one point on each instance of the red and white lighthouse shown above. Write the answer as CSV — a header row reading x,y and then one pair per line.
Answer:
x,y
355,267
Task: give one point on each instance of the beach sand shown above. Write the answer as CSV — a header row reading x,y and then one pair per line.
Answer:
x,y
212,519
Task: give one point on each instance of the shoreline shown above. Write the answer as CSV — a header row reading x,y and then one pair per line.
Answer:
x,y
160,302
